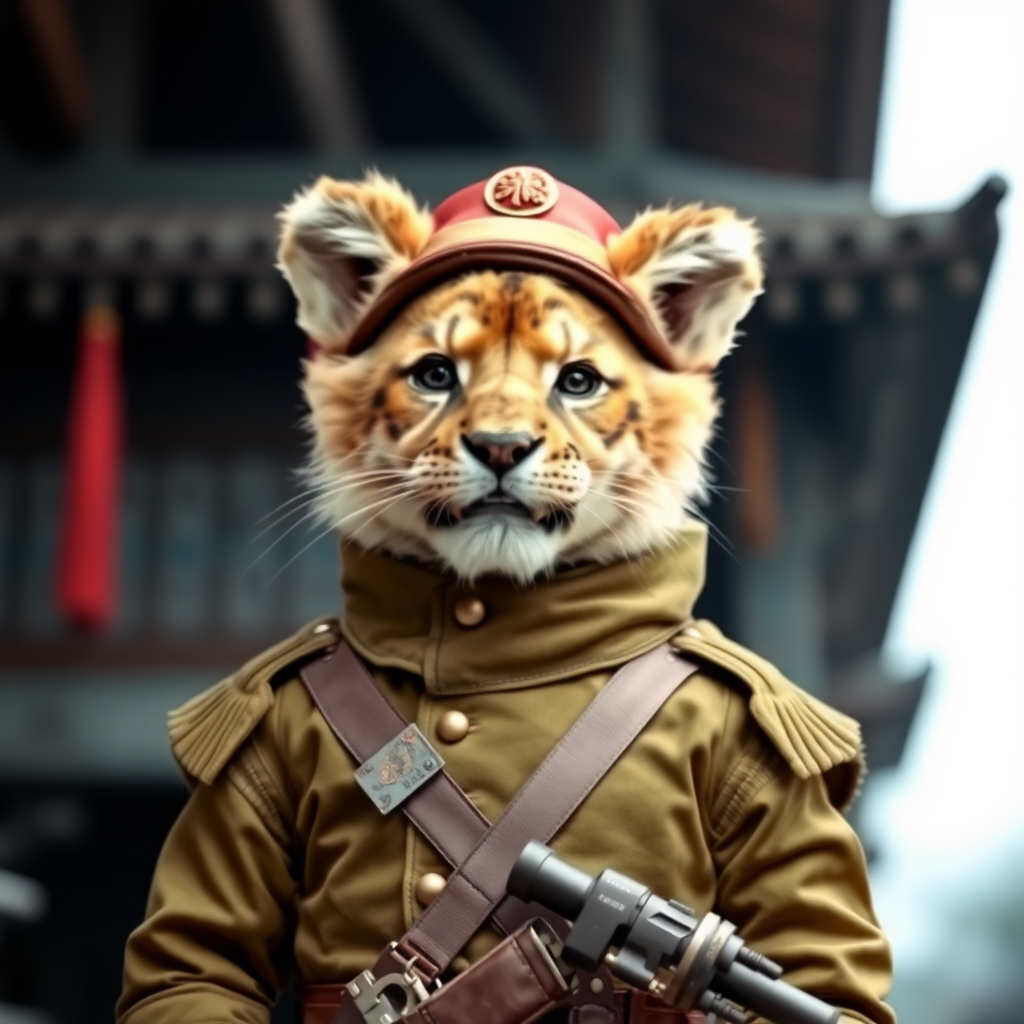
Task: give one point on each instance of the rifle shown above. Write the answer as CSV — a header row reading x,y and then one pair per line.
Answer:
x,y
659,946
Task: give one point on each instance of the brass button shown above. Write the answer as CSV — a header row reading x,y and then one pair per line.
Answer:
x,y
452,726
469,611
429,887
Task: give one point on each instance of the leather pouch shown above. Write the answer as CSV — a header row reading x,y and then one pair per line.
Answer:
x,y
516,983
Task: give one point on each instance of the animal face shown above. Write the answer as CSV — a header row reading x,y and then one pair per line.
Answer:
x,y
504,423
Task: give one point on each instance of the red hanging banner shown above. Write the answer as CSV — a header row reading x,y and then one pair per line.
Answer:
x,y
87,566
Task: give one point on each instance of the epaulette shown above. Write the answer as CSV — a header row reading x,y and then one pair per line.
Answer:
x,y
207,730
813,738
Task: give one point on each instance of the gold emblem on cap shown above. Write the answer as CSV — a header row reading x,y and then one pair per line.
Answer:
x,y
521,192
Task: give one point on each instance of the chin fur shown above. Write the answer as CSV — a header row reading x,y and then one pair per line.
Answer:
x,y
499,544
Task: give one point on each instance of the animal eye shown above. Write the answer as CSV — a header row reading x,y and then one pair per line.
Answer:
x,y
434,373
578,380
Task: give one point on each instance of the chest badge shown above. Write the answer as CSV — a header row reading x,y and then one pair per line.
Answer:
x,y
521,192
398,769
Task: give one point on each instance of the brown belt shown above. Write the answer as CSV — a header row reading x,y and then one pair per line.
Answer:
x,y
320,1003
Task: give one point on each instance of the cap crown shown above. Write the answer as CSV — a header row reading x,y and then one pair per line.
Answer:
x,y
562,204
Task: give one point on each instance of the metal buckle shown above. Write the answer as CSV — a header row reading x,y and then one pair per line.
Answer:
x,y
374,998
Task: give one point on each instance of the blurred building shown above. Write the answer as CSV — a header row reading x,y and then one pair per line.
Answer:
x,y
146,149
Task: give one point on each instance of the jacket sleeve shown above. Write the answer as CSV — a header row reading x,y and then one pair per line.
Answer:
x,y
215,945
793,879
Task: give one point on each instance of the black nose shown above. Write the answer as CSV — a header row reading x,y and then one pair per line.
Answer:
x,y
500,451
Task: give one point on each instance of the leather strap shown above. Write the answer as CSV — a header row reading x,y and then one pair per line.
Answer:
x,y
613,719
364,720
318,1004
515,983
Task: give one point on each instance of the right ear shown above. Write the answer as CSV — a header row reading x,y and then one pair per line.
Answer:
x,y
341,243
696,272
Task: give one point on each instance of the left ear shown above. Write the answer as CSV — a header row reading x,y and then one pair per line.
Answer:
x,y
696,271
341,243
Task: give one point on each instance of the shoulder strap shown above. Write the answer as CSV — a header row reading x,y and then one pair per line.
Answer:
x,y
364,720
606,728
614,718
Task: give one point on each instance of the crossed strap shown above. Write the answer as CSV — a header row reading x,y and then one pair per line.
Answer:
x,y
483,854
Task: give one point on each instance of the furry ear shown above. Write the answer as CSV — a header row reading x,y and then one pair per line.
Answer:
x,y
341,243
696,271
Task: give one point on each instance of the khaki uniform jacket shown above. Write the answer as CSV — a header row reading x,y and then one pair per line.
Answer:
x,y
280,870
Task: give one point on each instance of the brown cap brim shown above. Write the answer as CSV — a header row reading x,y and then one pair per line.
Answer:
x,y
500,255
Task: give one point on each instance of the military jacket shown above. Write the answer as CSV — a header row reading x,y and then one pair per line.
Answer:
x,y
280,870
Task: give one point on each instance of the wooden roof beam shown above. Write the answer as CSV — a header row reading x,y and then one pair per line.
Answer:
x,y
321,74
862,45
628,59
478,67
44,81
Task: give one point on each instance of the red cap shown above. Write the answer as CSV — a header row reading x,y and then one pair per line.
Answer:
x,y
522,218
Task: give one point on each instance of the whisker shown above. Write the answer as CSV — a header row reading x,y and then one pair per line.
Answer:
x,y
362,526
309,515
366,508
312,467
329,529
618,540
304,472
290,501
716,533
614,474
319,485
630,506
317,497
320,470
299,554
711,450
366,474
262,555
634,511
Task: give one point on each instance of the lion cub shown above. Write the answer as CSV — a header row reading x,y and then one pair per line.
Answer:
x,y
504,423
510,402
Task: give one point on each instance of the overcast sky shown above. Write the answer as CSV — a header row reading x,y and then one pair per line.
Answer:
x,y
950,822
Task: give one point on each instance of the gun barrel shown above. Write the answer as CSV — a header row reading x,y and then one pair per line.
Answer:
x,y
776,1000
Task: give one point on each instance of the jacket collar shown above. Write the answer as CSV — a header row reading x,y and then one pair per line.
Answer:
x,y
406,616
